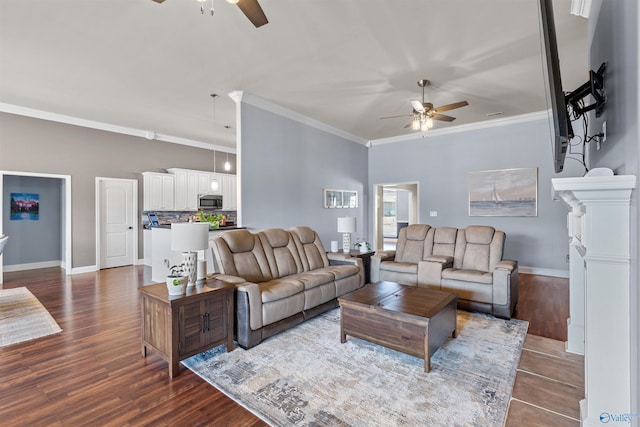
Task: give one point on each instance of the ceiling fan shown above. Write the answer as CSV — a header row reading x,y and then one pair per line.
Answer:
x,y
424,114
251,9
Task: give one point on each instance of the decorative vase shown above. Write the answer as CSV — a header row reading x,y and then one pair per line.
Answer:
x,y
176,285
363,248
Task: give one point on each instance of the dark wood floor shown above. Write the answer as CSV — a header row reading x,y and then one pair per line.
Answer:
x,y
93,373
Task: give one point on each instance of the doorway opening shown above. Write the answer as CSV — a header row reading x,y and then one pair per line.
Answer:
x,y
55,190
396,207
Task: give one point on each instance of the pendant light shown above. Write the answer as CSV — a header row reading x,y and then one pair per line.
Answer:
x,y
227,165
214,180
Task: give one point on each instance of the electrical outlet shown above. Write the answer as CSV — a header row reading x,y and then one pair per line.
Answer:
x,y
433,213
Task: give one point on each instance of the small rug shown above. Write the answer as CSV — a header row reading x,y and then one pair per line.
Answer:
x,y
23,317
306,377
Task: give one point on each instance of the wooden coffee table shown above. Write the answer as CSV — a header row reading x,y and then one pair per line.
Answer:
x,y
409,319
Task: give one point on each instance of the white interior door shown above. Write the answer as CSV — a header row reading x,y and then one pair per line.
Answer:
x,y
117,223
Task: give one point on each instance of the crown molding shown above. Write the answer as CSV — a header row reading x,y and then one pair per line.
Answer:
x,y
505,121
107,127
240,96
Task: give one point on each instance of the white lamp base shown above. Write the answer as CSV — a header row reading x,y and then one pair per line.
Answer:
x,y
346,243
190,263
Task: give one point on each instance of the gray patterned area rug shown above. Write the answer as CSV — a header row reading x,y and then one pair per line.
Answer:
x,y
305,377
23,317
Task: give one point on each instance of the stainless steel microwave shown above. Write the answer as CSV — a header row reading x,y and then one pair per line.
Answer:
x,y
209,201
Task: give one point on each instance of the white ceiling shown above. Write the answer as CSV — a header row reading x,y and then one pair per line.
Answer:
x,y
346,63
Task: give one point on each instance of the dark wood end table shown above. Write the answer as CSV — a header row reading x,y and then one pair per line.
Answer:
x,y
178,327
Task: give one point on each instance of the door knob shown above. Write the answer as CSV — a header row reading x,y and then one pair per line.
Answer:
x,y
130,228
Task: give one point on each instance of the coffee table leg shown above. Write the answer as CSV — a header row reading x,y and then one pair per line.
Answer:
x,y
427,356
343,336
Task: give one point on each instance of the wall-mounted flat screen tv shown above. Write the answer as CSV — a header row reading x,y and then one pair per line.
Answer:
x,y
560,122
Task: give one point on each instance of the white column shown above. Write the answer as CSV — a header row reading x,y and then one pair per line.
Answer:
x,y
599,228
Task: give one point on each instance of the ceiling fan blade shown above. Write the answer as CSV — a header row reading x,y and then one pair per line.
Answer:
x,y
451,106
442,117
417,105
395,117
253,11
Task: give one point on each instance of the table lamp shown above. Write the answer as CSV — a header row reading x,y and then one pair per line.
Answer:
x,y
190,237
346,226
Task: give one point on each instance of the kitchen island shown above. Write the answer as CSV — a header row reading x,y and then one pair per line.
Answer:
x,y
162,257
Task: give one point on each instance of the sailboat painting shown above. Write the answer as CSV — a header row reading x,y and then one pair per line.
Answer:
x,y
504,192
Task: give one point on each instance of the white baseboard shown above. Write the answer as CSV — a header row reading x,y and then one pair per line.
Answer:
x,y
32,266
544,271
85,269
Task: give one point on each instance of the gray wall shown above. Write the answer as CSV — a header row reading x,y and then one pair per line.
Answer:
x,y
440,164
285,165
34,145
616,41
34,241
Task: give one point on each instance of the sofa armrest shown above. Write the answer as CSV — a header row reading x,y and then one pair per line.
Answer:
x,y
376,260
252,290
227,278
507,265
442,259
505,283
342,259
430,270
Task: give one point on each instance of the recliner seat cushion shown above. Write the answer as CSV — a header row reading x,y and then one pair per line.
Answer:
x,y
399,267
276,289
468,275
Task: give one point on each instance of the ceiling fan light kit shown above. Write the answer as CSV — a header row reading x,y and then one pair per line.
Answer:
x,y
251,9
424,114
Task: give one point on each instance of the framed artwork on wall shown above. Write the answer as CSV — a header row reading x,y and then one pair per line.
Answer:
x,y
24,206
504,192
340,199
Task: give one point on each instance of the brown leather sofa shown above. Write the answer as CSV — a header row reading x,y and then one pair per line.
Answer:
x,y
282,278
467,262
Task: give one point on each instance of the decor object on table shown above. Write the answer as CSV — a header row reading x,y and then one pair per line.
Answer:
x,y
177,280
504,192
360,383
363,246
189,237
340,198
346,226
23,317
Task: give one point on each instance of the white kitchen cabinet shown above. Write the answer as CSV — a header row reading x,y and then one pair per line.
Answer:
x,y
159,191
188,185
229,196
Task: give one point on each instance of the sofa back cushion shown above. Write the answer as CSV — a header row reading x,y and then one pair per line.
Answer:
x,y
414,242
444,241
281,252
240,253
478,248
310,248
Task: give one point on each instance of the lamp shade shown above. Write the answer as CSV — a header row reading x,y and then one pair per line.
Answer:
x,y
189,236
347,224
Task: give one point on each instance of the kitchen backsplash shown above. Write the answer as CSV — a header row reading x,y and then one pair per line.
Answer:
x,y
168,217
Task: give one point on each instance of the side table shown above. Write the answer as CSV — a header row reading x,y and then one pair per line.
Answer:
x,y
177,327
366,262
